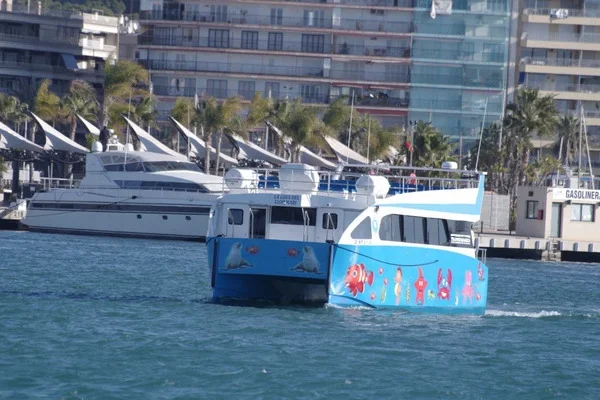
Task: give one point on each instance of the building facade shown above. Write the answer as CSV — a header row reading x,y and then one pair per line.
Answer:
x,y
37,44
401,59
560,55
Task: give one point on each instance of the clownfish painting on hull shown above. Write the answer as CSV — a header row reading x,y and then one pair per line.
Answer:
x,y
357,277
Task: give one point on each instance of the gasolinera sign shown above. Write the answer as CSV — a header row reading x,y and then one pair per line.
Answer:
x,y
576,195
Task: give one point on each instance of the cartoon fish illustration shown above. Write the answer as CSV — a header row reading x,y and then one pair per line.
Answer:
x,y
407,292
292,252
478,296
420,286
252,250
468,289
480,272
430,294
357,277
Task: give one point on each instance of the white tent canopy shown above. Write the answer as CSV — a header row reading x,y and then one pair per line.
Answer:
x,y
56,140
344,153
10,139
91,128
198,147
251,151
306,156
150,143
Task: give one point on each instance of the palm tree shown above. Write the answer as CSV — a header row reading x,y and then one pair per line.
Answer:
x,y
215,118
124,82
81,99
568,132
47,104
12,110
145,112
430,148
302,126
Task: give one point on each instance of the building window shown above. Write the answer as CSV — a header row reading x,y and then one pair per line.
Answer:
x,y
310,93
276,16
582,212
250,40
313,43
218,13
218,38
314,18
217,88
275,41
532,207
246,89
330,221
272,90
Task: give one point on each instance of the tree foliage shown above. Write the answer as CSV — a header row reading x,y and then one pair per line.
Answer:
x,y
46,103
81,99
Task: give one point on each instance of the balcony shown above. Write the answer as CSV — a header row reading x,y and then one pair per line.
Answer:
x,y
274,70
434,80
568,91
324,50
462,57
92,18
380,100
562,16
29,42
560,40
561,66
299,23
26,69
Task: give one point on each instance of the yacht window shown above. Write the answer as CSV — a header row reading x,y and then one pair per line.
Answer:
x,y
330,221
157,166
390,228
114,167
236,216
293,215
413,229
437,232
362,230
460,233
134,167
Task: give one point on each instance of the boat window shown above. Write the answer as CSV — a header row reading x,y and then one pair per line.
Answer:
x,y
236,216
437,232
157,166
362,230
413,229
134,167
390,228
460,233
330,221
258,223
114,167
293,215
161,185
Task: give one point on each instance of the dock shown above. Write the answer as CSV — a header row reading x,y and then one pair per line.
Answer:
x,y
505,245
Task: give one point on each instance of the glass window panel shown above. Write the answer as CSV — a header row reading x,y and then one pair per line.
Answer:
x,y
362,230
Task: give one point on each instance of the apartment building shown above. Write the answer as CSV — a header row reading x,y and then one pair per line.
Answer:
x,y
560,55
401,60
36,44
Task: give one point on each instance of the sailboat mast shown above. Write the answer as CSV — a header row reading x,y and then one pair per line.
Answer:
x,y
580,131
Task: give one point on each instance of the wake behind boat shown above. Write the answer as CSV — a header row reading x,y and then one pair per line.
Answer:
x,y
392,241
130,193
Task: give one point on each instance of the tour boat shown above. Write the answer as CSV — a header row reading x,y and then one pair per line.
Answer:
x,y
130,193
400,239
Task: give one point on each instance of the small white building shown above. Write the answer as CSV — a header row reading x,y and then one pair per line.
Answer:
x,y
558,212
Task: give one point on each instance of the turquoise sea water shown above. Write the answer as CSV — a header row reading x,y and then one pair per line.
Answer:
x,y
108,318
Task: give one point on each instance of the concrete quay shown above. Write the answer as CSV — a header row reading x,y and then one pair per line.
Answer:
x,y
505,245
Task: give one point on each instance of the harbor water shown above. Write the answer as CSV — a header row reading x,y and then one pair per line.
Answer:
x,y
111,318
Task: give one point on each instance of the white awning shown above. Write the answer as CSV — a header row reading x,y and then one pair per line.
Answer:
x,y
198,146
306,156
253,152
56,140
151,143
91,128
10,139
344,153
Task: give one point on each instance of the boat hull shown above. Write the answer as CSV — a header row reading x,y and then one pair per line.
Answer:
x,y
416,279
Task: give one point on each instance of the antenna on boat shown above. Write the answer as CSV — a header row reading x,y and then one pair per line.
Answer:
x,y
587,146
350,126
481,132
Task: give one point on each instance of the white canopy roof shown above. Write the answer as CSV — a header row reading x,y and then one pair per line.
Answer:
x,y
251,151
56,140
306,156
151,143
10,139
344,153
91,128
198,146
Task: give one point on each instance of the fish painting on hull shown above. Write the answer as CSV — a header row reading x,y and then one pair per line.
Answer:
x,y
357,278
420,285
234,259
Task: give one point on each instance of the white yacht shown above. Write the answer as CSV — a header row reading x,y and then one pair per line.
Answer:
x,y
129,193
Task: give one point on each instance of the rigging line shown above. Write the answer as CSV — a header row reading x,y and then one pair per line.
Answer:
x,y
384,262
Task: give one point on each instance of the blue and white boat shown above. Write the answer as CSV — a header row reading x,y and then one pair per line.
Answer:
x,y
397,240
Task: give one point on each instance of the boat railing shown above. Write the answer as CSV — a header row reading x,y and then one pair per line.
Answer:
x,y
482,254
59,183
